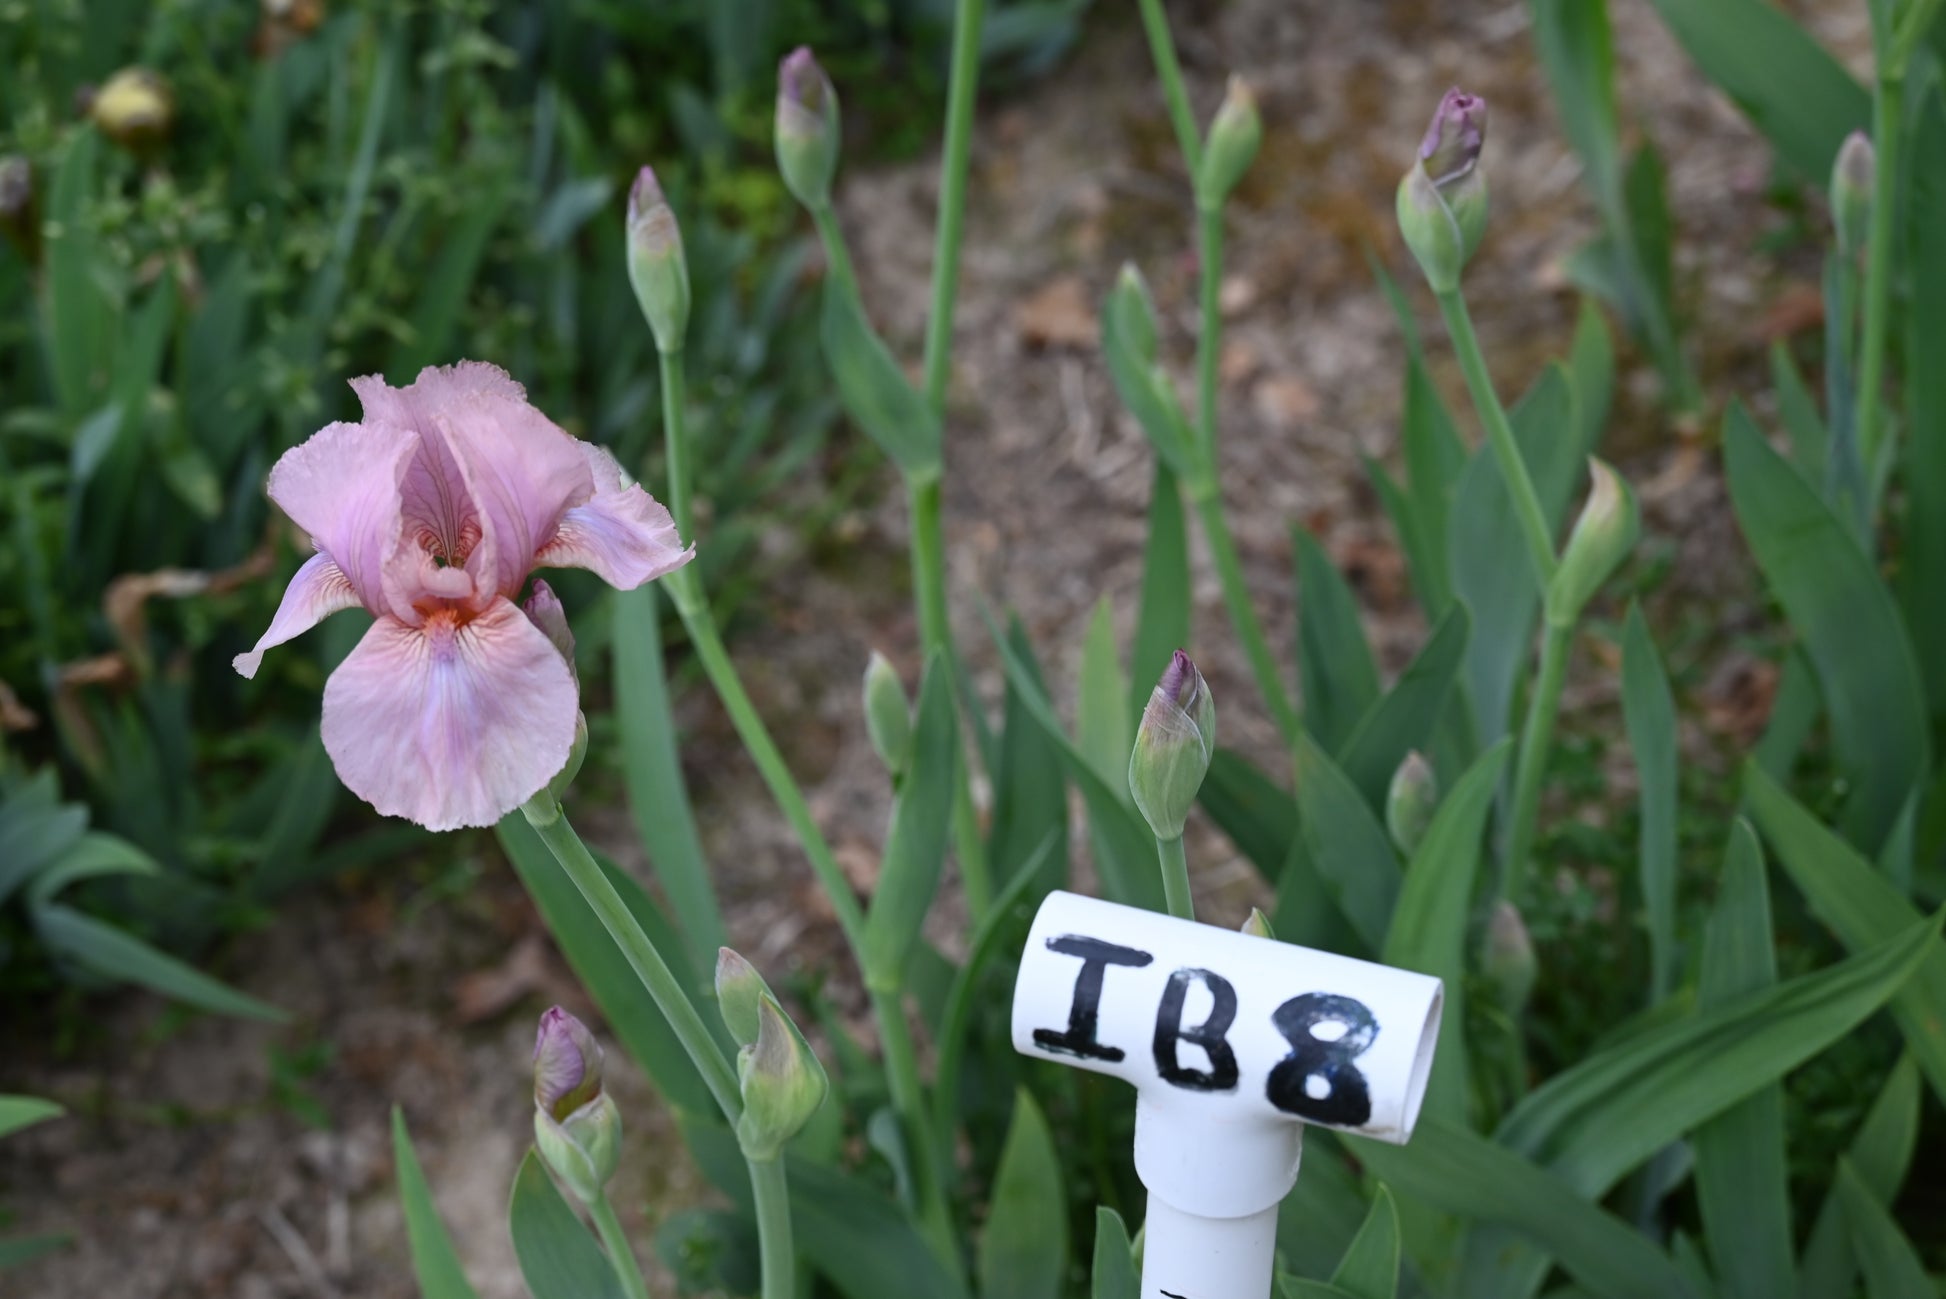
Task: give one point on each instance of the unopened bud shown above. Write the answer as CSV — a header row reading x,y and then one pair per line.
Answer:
x,y
1508,959
888,714
807,129
1234,137
656,266
1173,747
1131,314
783,1083
543,608
19,215
1258,925
577,1128
1609,524
1853,177
135,109
1442,201
738,990
1410,801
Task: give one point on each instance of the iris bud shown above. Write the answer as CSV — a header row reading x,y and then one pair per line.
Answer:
x,y
783,1084
656,266
1234,137
888,714
1131,314
1410,801
1442,201
807,129
135,109
577,1128
1258,925
1609,524
1508,959
738,989
1173,747
1853,176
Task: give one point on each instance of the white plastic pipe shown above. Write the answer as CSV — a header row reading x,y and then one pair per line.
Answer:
x,y
1233,1043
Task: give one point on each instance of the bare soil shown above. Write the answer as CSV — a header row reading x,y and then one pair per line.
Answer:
x,y
194,1163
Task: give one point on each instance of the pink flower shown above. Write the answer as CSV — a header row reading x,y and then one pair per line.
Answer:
x,y
456,707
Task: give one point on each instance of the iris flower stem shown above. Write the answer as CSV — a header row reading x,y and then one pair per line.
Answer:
x,y
1888,103
1175,878
662,985
901,1062
776,1251
1243,614
677,446
1536,737
968,16
1209,337
1162,48
1500,436
620,1256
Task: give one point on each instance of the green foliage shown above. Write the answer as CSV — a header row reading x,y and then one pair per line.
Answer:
x,y
434,1262
558,1258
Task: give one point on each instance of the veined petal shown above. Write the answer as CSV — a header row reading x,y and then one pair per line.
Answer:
x,y
341,485
317,590
451,723
622,534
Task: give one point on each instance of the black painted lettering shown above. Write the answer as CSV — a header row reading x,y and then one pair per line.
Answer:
x,y
1345,1098
1084,1012
1211,1034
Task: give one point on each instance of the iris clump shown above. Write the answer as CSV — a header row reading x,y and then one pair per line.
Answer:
x,y
430,513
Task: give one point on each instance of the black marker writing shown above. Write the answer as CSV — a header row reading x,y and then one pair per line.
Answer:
x,y
1347,1100
1221,1076
1084,1013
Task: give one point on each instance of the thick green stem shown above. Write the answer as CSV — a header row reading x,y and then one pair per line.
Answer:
x,y
1500,436
1536,737
620,1256
776,1253
1209,338
1175,878
929,591
1888,105
1163,49
968,15
642,957
909,1107
676,440
837,257
1243,614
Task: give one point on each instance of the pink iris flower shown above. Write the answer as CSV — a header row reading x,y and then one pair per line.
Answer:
x,y
455,708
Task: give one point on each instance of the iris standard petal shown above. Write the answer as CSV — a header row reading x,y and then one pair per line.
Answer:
x,y
318,589
453,723
621,534
341,485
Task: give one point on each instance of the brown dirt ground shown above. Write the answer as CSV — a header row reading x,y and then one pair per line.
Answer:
x,y
182,1174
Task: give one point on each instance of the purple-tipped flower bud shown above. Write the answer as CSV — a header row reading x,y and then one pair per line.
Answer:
x,y
782,1082
1410,801
807,129
1173,747
738,990
135,109
1508,958
888,714
1258,925
1234,137
19,215
567,1064
1604,534
1853,177
543,609
1442,202
656,266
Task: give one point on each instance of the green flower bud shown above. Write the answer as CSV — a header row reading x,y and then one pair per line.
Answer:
x,y
582,1149
1853,176
1507,960
1131,314
1173,747
738,990
1258,925
1442,201
1602,537
783,1083
888,714
807,129
1410,801
656,266
1234,137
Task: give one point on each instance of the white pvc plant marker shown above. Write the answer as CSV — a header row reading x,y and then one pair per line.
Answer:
x,y
1233,1043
